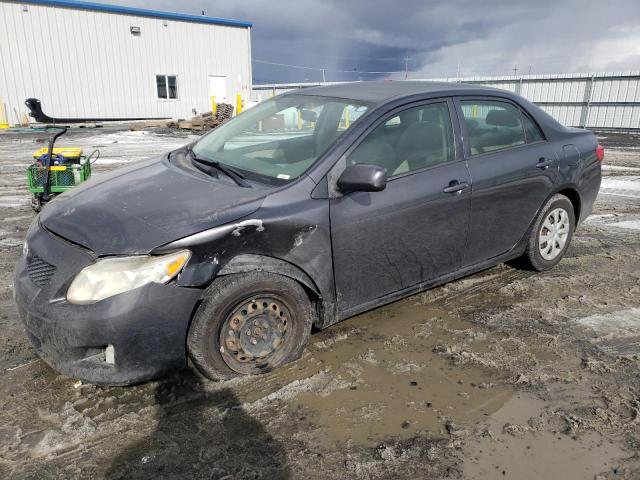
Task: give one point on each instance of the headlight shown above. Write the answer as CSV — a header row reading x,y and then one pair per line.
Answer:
x,y
111,276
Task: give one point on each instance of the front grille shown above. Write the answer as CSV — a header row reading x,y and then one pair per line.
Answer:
x,y
39,271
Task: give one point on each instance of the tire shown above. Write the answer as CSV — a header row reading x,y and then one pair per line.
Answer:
x,y
540,255
259,312
36,206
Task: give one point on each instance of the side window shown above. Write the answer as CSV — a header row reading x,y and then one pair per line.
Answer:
x,y
161,84
492,125
173,86
416,138
531,130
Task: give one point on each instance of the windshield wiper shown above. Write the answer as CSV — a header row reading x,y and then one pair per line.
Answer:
x,y
230,172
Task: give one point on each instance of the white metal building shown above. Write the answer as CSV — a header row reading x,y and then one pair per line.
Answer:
x,y
89,60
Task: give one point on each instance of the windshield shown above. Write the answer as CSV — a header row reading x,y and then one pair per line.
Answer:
x,y
281,137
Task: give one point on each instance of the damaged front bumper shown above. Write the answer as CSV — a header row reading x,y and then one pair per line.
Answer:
x,y
124,339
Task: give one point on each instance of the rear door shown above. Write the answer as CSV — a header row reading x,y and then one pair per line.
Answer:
x,y
414,230
512,168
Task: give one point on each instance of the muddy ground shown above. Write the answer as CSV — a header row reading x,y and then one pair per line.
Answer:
x,y
505,374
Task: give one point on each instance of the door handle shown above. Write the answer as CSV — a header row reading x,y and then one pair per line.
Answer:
x,y
455,187
544,163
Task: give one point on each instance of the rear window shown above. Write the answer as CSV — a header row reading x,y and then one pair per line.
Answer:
x,y
492,125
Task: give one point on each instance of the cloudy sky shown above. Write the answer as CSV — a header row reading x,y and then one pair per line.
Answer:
x,y
358,39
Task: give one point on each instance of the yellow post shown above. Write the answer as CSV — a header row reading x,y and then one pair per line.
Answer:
x,y
238,104
299,119
4,122
214,105
346,117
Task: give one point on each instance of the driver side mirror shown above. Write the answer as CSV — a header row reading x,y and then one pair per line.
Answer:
x,y
362,178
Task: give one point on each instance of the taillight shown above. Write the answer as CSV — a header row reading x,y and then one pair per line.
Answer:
x,y
600,153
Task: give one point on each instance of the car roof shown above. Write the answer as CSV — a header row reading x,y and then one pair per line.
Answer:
x,y
383,91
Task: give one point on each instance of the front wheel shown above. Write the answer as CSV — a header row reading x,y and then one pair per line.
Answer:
x,y
551,234
249,323
36,202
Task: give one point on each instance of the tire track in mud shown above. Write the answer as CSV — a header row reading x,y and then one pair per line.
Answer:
x,y
459,295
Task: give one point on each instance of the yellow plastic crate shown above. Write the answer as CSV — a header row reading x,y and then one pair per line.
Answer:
x,y
67,152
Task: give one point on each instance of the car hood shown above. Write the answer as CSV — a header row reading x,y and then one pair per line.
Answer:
x,y
141,207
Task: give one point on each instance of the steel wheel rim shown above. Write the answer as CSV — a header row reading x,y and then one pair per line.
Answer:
x,y
553,235
255,333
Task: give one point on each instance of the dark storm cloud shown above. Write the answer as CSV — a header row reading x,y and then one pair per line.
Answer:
x,y
350,38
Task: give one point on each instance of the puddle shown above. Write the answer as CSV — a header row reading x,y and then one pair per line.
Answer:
x,y
531,454
386,381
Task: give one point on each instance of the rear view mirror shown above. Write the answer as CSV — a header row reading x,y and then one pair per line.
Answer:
x,y
362,178
309,115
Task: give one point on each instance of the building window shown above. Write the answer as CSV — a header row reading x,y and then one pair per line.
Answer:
x,y
167,86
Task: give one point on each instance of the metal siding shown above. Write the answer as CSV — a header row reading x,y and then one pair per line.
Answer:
x,y
140,12
84,63
594,100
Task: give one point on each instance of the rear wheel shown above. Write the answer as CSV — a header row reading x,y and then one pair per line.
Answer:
x,y
551,234
249,323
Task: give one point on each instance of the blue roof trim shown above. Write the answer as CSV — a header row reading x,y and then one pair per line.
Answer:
x,y
142,12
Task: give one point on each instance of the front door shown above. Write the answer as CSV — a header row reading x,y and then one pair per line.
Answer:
x,y
513,171
413,231
218,88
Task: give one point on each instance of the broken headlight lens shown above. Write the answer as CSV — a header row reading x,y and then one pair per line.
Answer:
x,y
112,276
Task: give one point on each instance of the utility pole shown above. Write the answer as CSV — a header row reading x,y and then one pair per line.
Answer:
x,y
515,70
529,69
406,67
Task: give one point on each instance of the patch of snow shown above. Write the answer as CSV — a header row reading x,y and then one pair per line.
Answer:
x,y
619,168
600,218
623,323
621,186
11,201
291,390
630,224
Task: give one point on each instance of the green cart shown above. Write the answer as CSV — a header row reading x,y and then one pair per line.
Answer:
x,y
56,170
